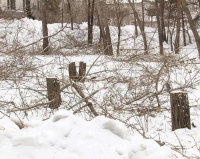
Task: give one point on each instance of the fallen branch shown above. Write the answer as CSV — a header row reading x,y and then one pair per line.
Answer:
x,y
84,98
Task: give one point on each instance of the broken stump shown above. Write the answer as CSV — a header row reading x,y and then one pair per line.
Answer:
x,y
53,90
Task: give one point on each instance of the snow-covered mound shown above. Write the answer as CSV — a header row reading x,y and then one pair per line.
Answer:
x,y
66,136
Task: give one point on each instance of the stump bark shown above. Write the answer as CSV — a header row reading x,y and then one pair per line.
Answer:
x,y
73,73
53,90
82,71
180,111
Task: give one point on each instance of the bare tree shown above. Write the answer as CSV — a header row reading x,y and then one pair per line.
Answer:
x,y
28,8
71,15
45,27
177,40
160,33
162,10
135,23
117,12
104,27
90,20
183,28
141,27
194,31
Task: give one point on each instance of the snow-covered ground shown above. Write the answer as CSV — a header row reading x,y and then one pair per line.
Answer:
x,y
67,136
126,133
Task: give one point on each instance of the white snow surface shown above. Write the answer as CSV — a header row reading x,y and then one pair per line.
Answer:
x,y
65,136
68,136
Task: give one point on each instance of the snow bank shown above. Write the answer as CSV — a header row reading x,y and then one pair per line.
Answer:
x,y
68,136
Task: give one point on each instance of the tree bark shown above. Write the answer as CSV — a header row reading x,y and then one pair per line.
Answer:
x,y
160,33
183,27
53,90
28,9
194,31
190,40
180,111
117,12
135,23
168,21
143,14
105,31
45,28
177,40
90,20
140,26
71,16
199,4
162,8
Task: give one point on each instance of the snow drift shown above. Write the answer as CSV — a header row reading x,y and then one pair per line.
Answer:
x,y
66,136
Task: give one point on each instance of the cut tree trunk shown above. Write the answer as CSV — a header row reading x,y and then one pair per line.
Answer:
x,y
180,112
82,71
72,71
53,89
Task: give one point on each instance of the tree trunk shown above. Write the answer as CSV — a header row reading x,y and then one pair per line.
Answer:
x,y
45,28
160,33
171,41
194,31
28,9
62,13
141,27
183,27
53,90
82,71
180,111
117,12
143,14
71,16
162,8
135,23
190,40
90,20
100,37
105,31
8,4
199,4
168,21
177,40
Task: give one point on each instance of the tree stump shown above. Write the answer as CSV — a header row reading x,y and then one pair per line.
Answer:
x,y
73,74
53,90
72,71
82,71
180,111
